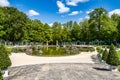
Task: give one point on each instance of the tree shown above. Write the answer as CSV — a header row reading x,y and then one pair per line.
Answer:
x,y
95,16
57,32
104,55
112,58
35,31
13,23
85,30
47,33
116,19
66,34
108,29
76,31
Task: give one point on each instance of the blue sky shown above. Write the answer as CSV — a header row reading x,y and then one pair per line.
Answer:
x,y
49,11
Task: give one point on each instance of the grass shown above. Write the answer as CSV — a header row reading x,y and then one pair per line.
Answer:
x,y
53,51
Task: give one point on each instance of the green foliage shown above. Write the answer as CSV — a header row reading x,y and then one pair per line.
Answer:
x,y
118,46
35,52
119,68
99,49
8,50
105,55
4,58
112,58
96,17
53,51
1,78
118,52
86,49
15,26
17,50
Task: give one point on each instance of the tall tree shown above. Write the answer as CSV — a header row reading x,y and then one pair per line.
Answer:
x,y
35,31
85,30
96,15
76,32
57,31
47,33
14,23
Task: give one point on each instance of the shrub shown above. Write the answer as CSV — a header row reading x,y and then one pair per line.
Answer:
x,y
112,58
8,50
118,46
99,49
86,49
91,49
104,55
1,78
119,68
4,58
16,50
35,52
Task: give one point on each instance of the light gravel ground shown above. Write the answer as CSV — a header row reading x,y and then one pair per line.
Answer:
x,y
76,67
78,71
19,59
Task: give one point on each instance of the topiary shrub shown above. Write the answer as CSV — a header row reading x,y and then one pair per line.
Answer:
x,y
105,55
1,77
99,49
4,58
112,58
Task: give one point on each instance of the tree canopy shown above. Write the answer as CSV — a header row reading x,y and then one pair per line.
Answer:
x,y
15,26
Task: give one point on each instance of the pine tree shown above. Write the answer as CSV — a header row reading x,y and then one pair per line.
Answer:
x,y
105,55
112,58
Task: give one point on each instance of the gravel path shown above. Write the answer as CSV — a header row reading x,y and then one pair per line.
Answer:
x,y
62,72
19,59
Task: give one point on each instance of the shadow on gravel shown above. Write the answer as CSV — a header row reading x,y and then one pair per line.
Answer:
x,y
101,69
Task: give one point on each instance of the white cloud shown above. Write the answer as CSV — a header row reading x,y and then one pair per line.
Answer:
x,y
50,24
87,17
80,19
115,11
90,10
75,2
62,7
4,3
74,13
33,13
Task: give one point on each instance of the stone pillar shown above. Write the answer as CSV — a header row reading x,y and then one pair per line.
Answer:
x,y
57,46
47,45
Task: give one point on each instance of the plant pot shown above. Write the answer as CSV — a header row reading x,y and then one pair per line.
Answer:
x,y
113,68
5,72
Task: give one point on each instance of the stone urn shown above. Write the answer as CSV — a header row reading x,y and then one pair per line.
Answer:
x,y
5,73
113,68
40,52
